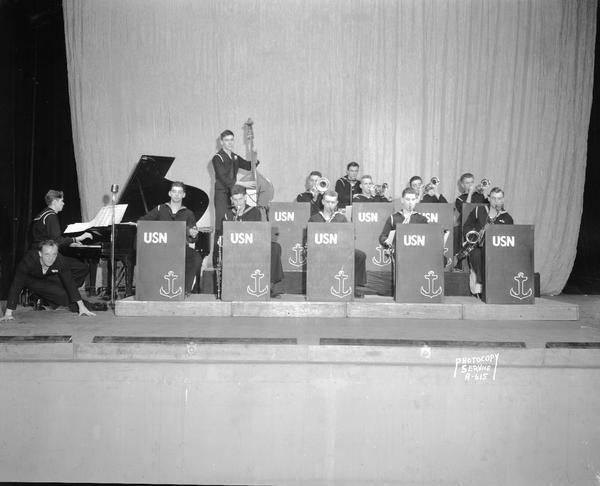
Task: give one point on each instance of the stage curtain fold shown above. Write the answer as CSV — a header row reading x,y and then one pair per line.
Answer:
x,y
502,89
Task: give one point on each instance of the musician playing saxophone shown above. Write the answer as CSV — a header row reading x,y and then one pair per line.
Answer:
x,y
408,215
478,220
240,211
330,214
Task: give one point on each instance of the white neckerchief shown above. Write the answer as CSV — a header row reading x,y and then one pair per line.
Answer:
x,y
332,216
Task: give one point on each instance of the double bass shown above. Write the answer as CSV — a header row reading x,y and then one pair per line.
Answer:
x,y
264,192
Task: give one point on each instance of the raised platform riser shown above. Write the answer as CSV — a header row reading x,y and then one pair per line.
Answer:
x,y
453,308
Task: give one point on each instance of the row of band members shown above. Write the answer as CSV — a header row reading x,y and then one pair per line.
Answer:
x,y
350,188
55,278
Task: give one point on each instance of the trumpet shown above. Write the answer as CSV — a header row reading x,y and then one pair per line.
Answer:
x,y
322,185
379,189
432,184
484,184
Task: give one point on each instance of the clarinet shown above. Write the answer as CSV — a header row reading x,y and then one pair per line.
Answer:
x,y
220,271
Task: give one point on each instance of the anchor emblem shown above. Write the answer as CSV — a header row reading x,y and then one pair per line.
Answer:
x,y
431,292
383,257
519,293
300,258
170,293
257,276
341,291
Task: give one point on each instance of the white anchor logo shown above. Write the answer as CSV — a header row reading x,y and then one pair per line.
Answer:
x,y
520,293
170,293
431,277
300,258
257,276
341,291
383,257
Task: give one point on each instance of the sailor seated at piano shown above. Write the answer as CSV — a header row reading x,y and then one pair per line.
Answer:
x,y
46,226
370,192
241,211
407,215
330,214
174,210
46,274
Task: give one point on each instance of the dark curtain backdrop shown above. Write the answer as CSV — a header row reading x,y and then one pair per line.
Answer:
x,y
36,144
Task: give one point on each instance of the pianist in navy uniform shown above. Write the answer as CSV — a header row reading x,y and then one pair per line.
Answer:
x,y
45,273
408,215
240,211
369,192
478,219
226,164
46,226
174,210
311,194
330,214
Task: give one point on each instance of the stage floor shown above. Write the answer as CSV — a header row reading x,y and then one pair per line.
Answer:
x,y
312,330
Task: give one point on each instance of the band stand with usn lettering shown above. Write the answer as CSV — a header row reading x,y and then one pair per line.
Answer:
x,y
442,213
330,268
368,219
161,260
246,261
509,264
289,221
419,269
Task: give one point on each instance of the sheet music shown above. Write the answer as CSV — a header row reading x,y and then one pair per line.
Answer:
x,y
103,218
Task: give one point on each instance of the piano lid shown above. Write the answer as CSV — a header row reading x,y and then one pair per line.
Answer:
x,y
147,187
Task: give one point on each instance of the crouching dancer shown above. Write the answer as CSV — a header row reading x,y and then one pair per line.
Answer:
x,y
45,273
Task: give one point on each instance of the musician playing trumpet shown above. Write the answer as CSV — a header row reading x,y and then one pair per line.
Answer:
x,y
477,221
370,192
431,192
470,192
312,194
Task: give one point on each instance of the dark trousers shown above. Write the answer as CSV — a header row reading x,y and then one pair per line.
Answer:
x,y
476,262
360,268
276,267
79,270
193,263
221,201
48,288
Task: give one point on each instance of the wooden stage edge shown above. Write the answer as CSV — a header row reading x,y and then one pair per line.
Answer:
x,y
452,308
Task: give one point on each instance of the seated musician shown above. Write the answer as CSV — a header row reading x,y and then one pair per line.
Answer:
x,y
348,186
45,273
369,192
174,210
478,220
407,215
470,193
312,194
330,214
240,211
46,226
431,194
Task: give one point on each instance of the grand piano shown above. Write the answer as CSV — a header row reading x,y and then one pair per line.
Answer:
x,y
146,188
